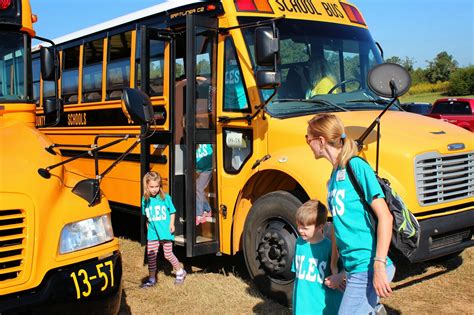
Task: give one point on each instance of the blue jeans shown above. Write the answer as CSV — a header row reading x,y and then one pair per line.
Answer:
x,y
359,296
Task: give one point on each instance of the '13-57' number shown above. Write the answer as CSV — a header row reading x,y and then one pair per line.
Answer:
x,y
86,279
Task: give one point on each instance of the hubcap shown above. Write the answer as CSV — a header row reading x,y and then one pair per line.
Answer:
x,y
274,246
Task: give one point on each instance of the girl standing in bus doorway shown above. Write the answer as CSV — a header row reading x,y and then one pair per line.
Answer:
x,y
160,212
362,248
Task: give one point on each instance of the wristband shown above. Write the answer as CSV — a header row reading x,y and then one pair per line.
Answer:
x,y
382,260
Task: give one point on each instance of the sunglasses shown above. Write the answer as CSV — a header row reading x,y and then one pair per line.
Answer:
x,y
309,139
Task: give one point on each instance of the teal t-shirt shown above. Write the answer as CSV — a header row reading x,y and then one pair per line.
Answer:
x,y
311,265
204,157
355,236
158,212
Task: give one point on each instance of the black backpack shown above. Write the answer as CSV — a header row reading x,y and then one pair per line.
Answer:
x,y
406,229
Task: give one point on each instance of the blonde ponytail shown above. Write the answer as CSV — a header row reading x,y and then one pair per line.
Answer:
x,y
331,128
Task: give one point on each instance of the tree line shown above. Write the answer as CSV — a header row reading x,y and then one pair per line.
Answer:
x,y
443,68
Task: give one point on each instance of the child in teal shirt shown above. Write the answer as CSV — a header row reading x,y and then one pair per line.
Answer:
x,y
160,212
312,263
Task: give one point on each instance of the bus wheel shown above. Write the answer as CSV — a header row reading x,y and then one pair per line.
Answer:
x,y
269,244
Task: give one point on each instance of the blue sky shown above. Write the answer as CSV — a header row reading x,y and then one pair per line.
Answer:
x,y
418,29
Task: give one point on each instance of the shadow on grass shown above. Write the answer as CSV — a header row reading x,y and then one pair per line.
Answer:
x,y
124,307
407,270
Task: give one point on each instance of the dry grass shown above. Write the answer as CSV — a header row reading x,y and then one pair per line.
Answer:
x,y
220,285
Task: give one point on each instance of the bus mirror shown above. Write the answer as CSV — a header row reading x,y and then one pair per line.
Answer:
x,y
51,106
137,106
89,190
389,80
47,63
268,79
267,46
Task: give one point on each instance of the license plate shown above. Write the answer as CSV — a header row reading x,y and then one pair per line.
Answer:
x,y
93,279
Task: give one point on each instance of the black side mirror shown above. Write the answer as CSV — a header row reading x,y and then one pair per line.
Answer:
x,y
268,79
137,106
267,54
389,80
89,190
267,46
51,106
47,59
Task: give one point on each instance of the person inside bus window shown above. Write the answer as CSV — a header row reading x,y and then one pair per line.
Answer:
x,y
235,98
316,78
203,178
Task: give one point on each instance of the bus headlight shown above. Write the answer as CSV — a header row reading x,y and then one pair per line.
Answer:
x,y
86,233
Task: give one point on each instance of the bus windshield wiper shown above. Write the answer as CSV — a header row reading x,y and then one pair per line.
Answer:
x,y
313,101
376,101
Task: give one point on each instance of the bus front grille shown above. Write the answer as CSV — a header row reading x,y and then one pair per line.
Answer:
x,y
12,243
444,178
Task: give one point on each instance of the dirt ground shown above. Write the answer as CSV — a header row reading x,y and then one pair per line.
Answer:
x,y
221,285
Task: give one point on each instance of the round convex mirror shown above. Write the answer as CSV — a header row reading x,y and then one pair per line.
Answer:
x,y
389,80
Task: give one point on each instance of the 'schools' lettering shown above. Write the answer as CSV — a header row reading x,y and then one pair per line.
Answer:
x,y
156,213
336,198
311,271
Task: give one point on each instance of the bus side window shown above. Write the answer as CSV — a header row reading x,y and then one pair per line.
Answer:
x,y
70,75
235,98
92,71
36,80
157,58
118,66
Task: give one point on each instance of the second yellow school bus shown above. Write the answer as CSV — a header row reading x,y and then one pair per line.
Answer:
x,y
197,63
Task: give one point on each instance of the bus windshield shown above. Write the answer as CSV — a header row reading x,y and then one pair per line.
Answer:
x,y
13,67
323,67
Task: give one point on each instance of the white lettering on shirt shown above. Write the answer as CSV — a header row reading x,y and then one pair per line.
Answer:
x,y
336,198
312,271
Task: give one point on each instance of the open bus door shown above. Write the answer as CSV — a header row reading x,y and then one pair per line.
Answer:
x,y
157,153
202,224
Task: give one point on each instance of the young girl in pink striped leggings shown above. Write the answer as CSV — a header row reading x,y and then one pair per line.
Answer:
x,y
159,211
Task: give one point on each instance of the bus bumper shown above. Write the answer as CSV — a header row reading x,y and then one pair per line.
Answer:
x,y
445,235
83,288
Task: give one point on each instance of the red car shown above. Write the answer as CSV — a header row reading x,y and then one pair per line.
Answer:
x,y
457,111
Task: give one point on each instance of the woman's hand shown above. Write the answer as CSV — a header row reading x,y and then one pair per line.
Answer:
x,y
336,281
380,281
172,228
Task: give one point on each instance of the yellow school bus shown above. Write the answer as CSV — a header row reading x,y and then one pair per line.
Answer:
x,y
230,144
57,253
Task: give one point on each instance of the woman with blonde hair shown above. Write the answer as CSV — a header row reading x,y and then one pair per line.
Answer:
x,y
363,248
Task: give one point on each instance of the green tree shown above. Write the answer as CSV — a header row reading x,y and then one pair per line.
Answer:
x,y
441,67
394,59
462,82
406,63
418,76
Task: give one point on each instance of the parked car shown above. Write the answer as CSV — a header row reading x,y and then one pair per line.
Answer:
x,y
415,107
458,111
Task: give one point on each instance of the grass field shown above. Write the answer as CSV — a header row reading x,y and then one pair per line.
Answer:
x,y
220,285
427,97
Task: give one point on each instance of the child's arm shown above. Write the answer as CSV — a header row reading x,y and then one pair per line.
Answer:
x,y
334,253
172,223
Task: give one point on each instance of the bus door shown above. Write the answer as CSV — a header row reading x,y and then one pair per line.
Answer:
x,y
157,153
202,225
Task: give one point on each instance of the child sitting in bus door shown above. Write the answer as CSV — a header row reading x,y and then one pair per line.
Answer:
x,y
160,213
314,257
203,178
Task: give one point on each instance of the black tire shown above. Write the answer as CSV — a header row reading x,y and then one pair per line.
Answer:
x,y
269,239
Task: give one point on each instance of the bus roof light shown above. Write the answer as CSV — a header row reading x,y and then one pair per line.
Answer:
x,y
4,4
34,18
261,6
353,14
245,5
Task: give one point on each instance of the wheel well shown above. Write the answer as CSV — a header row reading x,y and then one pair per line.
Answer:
x,y
261,184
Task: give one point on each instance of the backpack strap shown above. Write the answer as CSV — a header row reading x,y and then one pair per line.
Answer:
x,y
360,192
